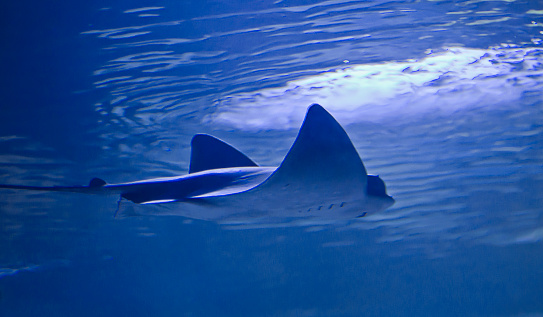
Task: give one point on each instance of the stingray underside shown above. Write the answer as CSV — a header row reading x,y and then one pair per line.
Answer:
x,y
322,169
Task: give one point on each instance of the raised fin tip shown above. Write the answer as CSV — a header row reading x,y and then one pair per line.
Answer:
x,y
97,182
316,106
318,111
200,136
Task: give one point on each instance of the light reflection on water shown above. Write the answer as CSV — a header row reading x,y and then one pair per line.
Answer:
x,y
447,115
442,129
441,83
442,100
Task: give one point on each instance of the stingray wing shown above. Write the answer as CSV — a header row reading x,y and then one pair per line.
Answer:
x,y
321,165
209,153
322,161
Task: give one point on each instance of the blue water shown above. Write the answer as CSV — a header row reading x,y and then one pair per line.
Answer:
x,y
442,99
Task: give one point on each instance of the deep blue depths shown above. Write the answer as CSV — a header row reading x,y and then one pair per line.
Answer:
x,y
465,237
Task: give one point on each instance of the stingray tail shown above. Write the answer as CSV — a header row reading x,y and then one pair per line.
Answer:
x,y
95,187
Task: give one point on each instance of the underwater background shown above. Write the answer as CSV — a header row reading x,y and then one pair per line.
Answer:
x,y
443,99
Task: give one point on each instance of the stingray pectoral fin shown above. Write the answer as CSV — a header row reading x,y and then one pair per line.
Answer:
x,y
209,153
321,160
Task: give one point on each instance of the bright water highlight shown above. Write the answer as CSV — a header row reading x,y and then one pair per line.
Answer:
x,y
442,99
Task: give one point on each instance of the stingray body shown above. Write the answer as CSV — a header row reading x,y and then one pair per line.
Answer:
x,y
322,177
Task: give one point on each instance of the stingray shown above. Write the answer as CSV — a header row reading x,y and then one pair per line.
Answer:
x,y
322,177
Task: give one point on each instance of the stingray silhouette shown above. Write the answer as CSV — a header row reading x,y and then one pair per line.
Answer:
x,y
321,177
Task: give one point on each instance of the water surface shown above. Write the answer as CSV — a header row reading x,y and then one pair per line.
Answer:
x,y
442,99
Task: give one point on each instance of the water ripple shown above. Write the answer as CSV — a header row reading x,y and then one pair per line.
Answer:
x,y
442,99
444,81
